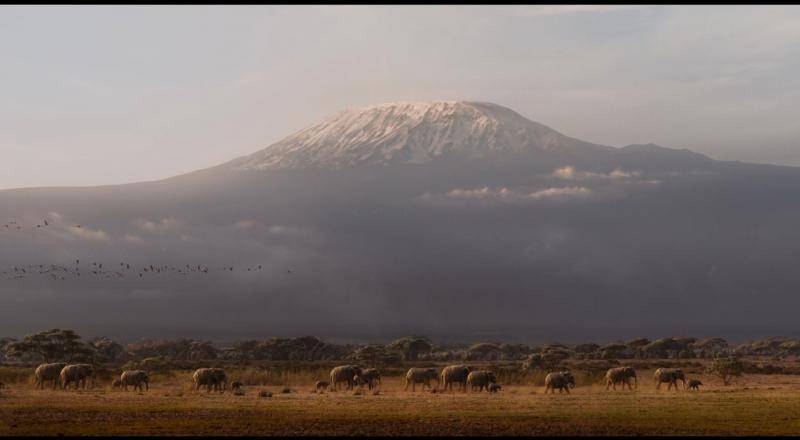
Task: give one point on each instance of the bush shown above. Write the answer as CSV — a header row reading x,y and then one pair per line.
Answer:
x,y
727,368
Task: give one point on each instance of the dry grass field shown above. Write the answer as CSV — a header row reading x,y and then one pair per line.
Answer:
x,y
754,405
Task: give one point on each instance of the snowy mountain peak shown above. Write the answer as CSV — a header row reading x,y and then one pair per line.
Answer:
x,y
405,132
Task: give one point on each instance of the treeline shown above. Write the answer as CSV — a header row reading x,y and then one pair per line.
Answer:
x,y
68,346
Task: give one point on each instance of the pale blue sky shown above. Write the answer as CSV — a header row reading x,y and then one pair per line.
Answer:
x,y
100,94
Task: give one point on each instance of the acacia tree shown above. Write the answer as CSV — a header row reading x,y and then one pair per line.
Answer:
x,y
726,368
547,360
412,346
51,345
377,355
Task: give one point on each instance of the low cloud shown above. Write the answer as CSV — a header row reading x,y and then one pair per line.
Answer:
x,y
571,173
89,234
156,227
245,224
507,195
572,191
132,238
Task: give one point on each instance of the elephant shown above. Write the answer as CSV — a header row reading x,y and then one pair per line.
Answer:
x,y
563,380
480,379
348,374
694,384
455,374
494,387
210,378
620,375
422,376
77,373
221,380
321,385
117,383
135,378
236,386
370,376
670,376
49,372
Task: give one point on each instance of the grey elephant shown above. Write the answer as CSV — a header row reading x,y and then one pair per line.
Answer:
x,y
422,376
348,374
480,380
670,376
236,386
694,384
46,372
210,378
455,374
561,380
221,380
371,377
621,375
77,373
494,387
139,379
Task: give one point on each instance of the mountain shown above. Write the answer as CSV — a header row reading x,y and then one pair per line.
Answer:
x,y
410,133
452,219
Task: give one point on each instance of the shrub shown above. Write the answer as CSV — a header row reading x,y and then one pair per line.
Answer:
x,y
726,368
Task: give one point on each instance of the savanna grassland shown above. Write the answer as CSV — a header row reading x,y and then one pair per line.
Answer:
x,y
752,405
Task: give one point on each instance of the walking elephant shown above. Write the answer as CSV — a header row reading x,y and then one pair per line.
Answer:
x,y
422,376
46,372
670,376
562,380
135,378
621,375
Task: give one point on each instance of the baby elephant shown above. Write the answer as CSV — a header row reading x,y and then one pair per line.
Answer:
x,y
117,383
694,384
494,387
236,385
321,385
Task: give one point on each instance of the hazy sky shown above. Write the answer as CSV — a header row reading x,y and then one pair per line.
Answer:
x,y
98,94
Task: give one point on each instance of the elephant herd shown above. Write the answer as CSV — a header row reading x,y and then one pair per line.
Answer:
x,y
62,375
350,376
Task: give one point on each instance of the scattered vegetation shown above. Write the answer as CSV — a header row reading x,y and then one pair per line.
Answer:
x,y
726,368
162,355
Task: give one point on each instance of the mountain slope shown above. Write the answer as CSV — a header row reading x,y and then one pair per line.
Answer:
x,y
410,133
439,218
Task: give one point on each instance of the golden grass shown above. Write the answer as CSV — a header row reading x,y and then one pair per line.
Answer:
x,y
756,405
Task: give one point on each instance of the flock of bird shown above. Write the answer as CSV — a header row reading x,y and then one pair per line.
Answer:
x,y
102,270
14,225
123,270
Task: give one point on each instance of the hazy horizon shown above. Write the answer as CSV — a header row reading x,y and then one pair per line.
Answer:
x,y
101,95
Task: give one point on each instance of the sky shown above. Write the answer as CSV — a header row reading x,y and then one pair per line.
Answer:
x,y
95,95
